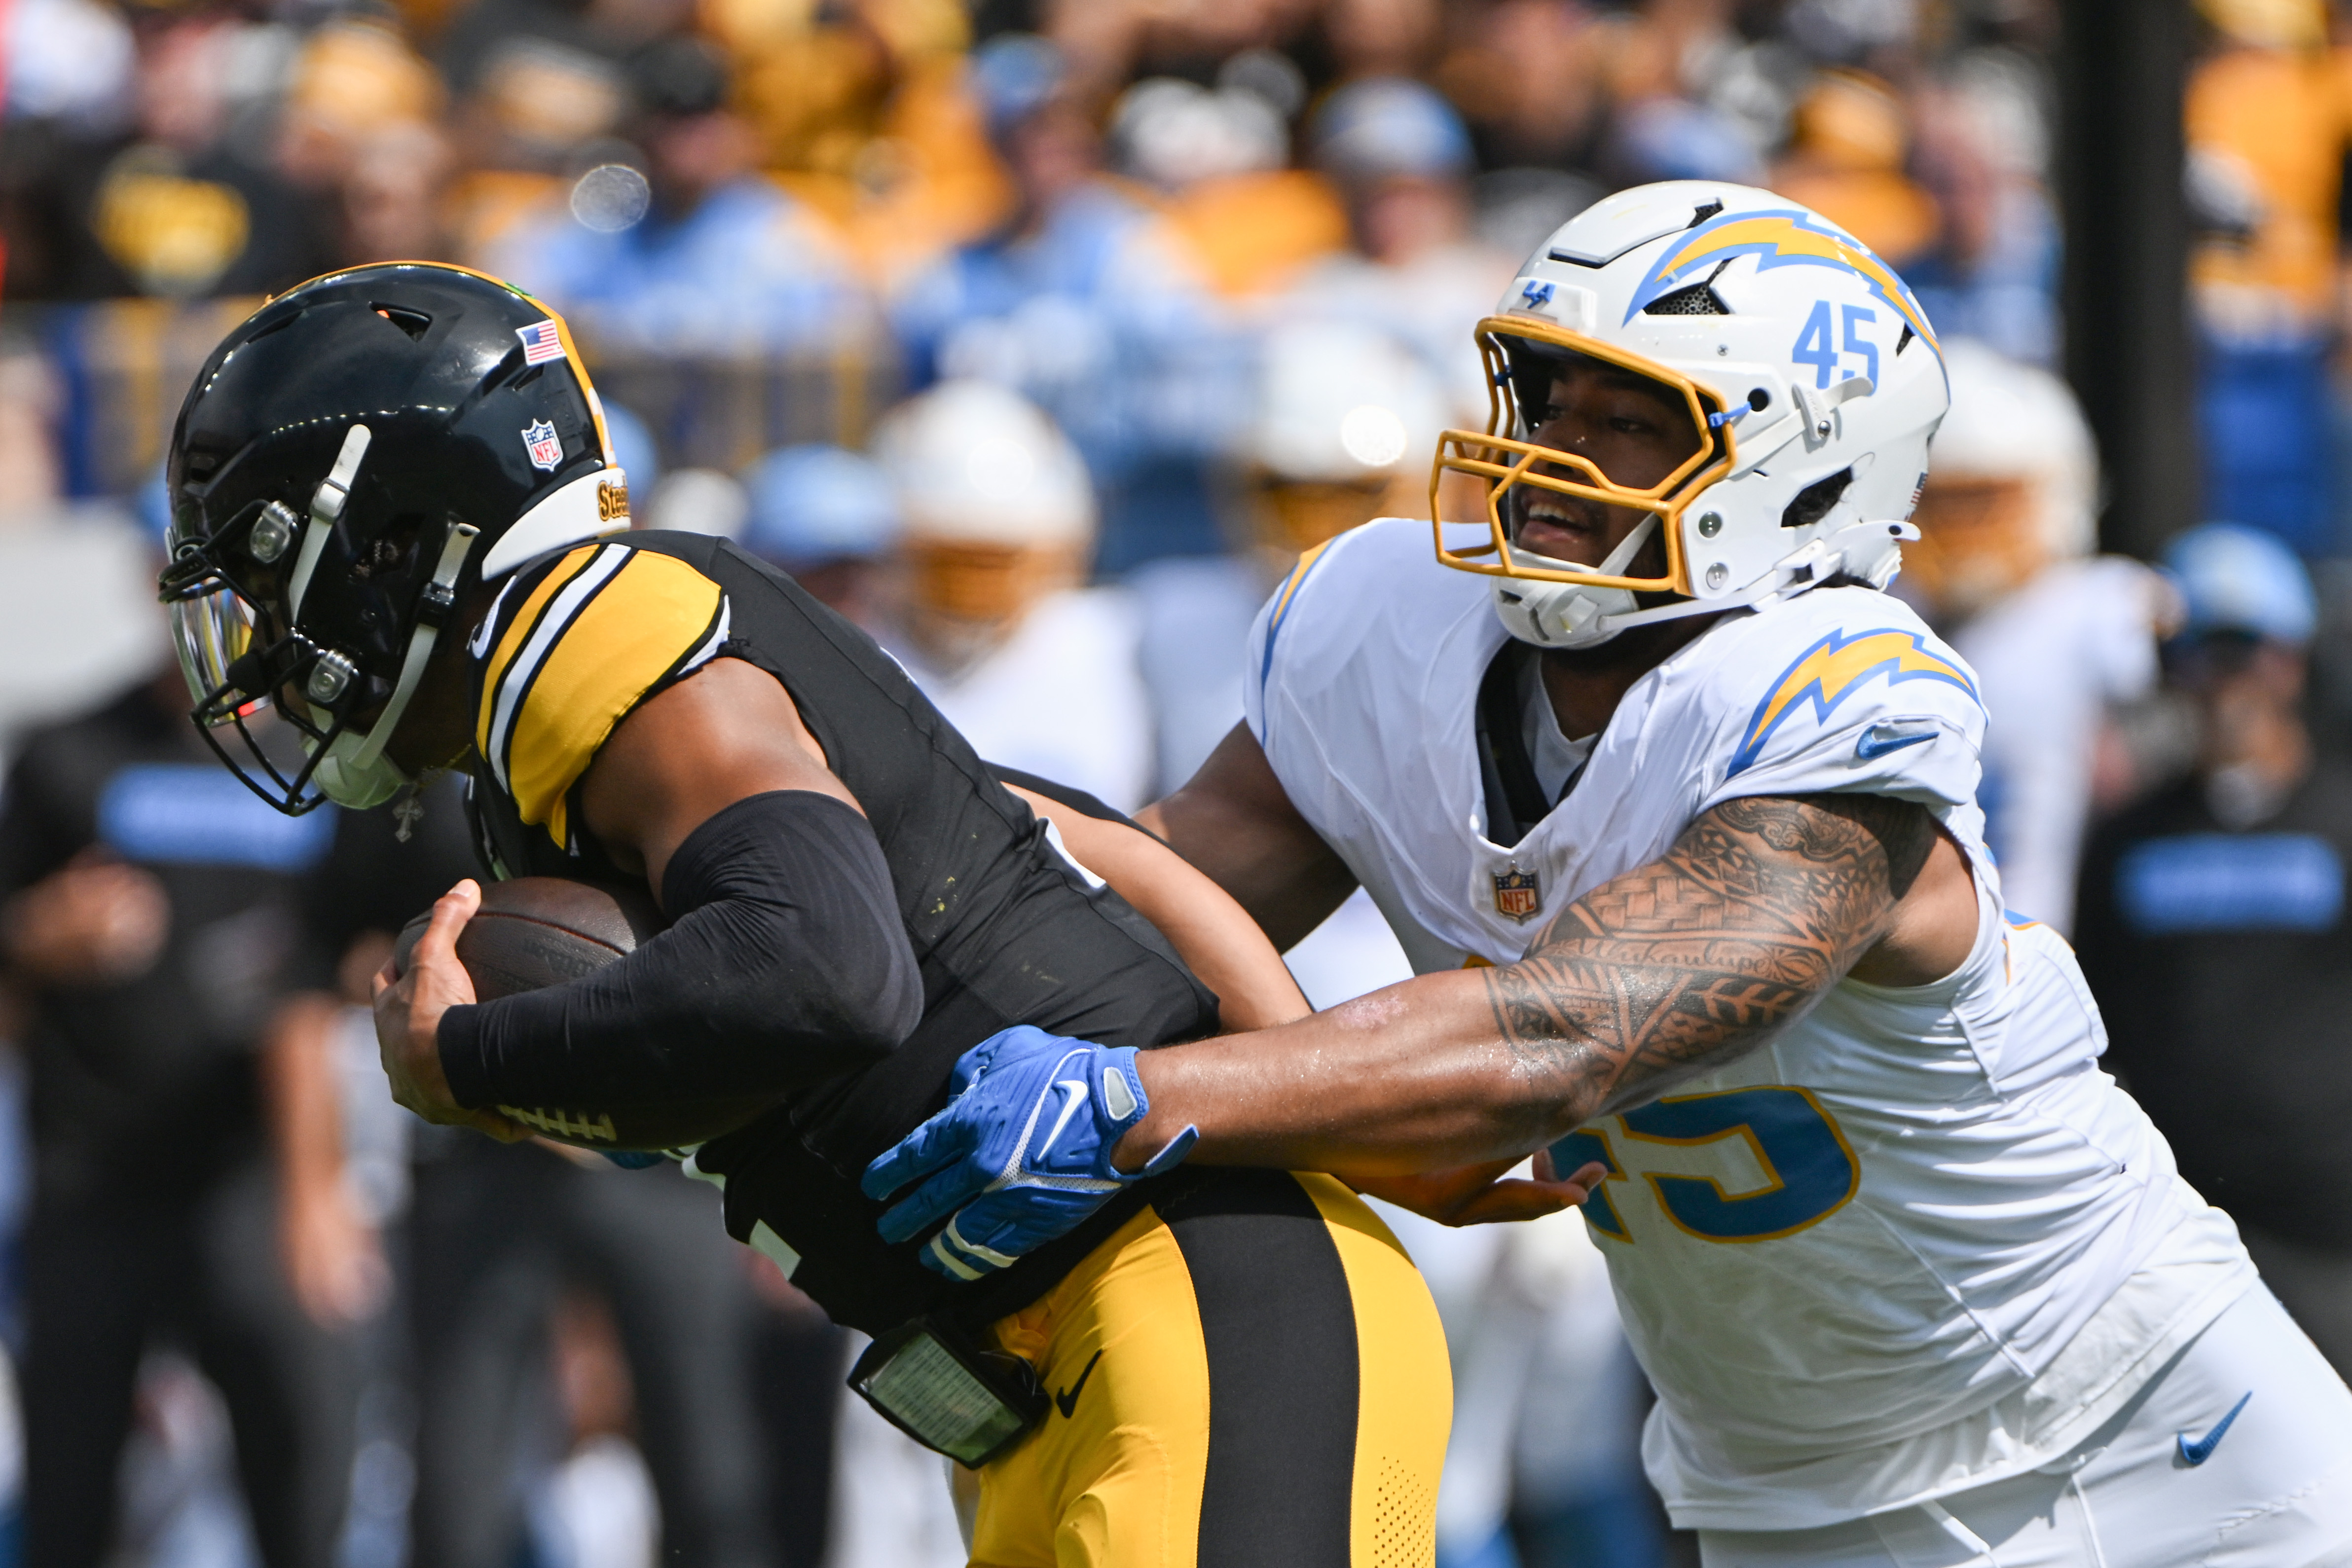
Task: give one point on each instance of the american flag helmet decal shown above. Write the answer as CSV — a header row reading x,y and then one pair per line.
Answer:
x,y
541,343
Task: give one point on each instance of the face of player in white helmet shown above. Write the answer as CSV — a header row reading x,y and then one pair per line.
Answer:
x,y
1628,426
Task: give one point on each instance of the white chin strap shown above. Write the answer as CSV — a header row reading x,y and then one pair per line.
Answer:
x,y
1573,615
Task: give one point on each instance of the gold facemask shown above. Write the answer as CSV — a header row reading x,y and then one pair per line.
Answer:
x,y
1500,462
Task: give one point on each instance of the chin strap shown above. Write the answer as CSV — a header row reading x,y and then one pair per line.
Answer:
x,y
326,509
1870,551
438,598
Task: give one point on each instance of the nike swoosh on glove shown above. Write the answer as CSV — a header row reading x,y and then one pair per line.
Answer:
x,y
1021,1155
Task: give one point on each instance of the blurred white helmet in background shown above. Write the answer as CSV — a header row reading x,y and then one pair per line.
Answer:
x,y
976,463
1342,427
696,501
1340,400
2012,485
999,512
1810,376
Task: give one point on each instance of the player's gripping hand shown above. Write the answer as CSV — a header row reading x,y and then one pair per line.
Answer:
x,y
408,1008
1020,1155
1485,1193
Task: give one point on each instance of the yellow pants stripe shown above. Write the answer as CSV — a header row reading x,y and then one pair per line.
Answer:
x,y
1255,1377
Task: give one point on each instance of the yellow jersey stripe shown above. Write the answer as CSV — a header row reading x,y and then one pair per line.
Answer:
x,y
601,563
649,616
1297,575
517,631
1297,579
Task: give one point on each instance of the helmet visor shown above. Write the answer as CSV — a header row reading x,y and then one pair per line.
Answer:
x,y
211,631
1582,439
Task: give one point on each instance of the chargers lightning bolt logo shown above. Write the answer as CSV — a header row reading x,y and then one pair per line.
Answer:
x,y
1785,238
1836,666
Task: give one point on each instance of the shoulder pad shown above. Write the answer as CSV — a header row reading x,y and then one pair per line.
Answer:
x,y
1847,690
562,662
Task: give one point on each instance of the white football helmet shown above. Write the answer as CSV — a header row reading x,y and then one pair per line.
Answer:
x,y
2015,483
1808,372
999,512
1344,418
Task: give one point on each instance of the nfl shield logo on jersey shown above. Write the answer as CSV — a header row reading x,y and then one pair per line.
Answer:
x,y
1517,894
546,451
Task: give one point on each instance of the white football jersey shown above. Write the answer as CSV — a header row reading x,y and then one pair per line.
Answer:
x,y
1061,698
1853,1262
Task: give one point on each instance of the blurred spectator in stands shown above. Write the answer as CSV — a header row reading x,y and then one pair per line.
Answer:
x,y
1402,161
487,40
351,82
1111,45
1669,137
187,199
361,122
186,1175
70,68
1081,303
1846,160
394,197
1984,153
830,519
866,113
2213,932
1038,671
1375,39
1219,157
30,400
2058,637
1531,77
528,108
2267,131
697,255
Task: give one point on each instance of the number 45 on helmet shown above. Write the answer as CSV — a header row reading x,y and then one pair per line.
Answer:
x,y
1766,390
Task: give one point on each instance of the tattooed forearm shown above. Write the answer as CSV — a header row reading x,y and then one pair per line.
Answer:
x,y
1759,908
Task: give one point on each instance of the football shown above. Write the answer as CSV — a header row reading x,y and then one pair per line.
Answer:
x,y
538,931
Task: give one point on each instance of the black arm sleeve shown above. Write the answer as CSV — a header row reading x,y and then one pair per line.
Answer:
x,y
787,963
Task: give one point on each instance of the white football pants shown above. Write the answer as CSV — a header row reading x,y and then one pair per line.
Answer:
x,y
2275,1491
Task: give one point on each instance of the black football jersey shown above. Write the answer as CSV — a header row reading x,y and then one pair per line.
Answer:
x,y
1003,931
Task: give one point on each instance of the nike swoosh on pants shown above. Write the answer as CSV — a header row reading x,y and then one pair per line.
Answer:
x,y
1068,1401
2196,1453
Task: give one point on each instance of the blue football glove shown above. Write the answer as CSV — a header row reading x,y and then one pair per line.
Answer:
x,y
1020,1155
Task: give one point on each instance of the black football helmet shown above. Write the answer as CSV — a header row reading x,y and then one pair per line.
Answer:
x,y
351,460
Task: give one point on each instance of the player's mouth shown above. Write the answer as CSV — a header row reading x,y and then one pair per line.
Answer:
x,y
1565,528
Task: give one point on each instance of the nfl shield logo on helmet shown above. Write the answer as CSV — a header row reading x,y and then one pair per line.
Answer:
x,y
1518,894
538,439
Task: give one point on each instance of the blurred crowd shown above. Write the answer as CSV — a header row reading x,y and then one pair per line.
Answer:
x,y
1038,337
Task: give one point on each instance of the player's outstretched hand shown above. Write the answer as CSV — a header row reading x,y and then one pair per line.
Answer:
x,y
1022,1154
1482,1193
408,1008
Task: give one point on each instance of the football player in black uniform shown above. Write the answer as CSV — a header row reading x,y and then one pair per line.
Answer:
x,y
398,522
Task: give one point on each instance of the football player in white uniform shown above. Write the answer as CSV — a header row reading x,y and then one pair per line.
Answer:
x,y
1676,813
